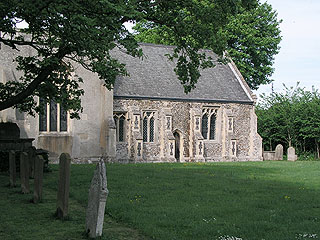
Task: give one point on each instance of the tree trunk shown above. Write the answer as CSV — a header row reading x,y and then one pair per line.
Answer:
x,y
317,149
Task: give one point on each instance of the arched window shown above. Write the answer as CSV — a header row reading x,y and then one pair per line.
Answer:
x,y
119,120
208,123
148,126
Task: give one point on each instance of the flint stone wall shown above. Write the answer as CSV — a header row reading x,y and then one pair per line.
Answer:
x,y
249,143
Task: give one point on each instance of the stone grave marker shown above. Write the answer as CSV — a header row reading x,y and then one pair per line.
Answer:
x,y
12,168
24,172
64,186
32,156
38,179
279,152
292,154
97,201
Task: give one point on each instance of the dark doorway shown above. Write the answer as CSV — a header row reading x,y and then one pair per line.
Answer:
x,y
177,146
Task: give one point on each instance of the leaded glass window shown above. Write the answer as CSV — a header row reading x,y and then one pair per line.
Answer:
x,y
120,120
53,118
204,124
148,126
208,123
212,127
151,129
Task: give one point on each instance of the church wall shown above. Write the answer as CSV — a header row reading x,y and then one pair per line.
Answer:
x,y
85,139
242,132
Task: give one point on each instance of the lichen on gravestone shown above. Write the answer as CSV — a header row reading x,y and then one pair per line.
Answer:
x,y
98,193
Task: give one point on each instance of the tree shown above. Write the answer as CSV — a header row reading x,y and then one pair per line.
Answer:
x,y
291,118
251,38
61,31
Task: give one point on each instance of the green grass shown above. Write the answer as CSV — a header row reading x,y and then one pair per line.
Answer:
x,y
248,200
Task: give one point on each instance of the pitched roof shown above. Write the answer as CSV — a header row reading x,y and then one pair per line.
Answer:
x,y
153,77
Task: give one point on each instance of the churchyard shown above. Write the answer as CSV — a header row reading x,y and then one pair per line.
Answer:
x,y
235,200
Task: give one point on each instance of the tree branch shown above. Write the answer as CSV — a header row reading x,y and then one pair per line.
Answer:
x,y
45,71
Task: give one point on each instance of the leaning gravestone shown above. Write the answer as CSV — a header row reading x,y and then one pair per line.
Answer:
x,y
12,168
24,172
38,179
292,154
278,152
97,201
64,185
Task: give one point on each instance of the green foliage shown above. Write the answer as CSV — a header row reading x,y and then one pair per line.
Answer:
x,y
251,38
291,118
62,32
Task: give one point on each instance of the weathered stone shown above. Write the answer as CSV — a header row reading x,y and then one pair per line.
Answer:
x,y
12,168
24,172
64,185
97,201
32,156
292,154
38,179
278,153
268,155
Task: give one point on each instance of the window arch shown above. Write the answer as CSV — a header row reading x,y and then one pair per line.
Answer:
x,y
148,126
119,120
208,123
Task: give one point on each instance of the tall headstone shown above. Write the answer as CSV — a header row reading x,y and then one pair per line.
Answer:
x,y
12,168
24,172
32,157
292,154
38,179
97,201
64,185
279,152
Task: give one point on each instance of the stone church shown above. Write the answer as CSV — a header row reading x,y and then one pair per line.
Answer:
x,y
147,117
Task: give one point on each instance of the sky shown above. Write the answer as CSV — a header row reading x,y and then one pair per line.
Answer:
x,y
299,57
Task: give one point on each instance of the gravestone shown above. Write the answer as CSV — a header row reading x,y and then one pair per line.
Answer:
x,y
97,201
32,156
12,168
279,152
38,179
64,185
24,172
292,154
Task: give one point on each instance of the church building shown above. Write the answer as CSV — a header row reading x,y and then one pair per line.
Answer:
x,y
147,117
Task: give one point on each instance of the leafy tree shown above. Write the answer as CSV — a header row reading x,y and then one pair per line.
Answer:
x,y
61,31
251,38
291,118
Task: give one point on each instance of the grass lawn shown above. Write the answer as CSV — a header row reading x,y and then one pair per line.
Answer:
x,y
248,200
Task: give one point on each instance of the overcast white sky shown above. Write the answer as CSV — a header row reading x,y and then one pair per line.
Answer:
x,y
299,57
